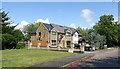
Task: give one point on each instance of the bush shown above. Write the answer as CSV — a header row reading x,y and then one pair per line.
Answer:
x,y
8,41
20,46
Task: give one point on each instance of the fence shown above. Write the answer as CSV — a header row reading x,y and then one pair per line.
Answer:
x,y
42,43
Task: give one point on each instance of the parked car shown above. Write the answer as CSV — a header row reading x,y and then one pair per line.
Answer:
x,y
89,48
76,46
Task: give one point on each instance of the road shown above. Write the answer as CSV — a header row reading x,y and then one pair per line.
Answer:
x,y
102,58
105,58
63,61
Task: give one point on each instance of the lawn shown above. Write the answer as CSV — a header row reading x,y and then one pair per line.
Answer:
x,y
28,57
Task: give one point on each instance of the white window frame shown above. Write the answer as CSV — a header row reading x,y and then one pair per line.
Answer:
x,y
68,34
53,33
53,43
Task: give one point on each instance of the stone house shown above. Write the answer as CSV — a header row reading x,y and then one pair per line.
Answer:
x,y
54,36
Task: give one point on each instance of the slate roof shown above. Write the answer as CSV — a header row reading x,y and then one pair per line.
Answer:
x,y
62,29
55,27
48,26
34,31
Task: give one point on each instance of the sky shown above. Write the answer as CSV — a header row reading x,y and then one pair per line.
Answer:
x,y
71,14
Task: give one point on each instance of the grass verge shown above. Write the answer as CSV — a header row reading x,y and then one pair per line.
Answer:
x,y
28,57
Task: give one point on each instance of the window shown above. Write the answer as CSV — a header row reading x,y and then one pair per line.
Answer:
x,y
68,33
53,42
60,36
39,33
39,38
68,44
53,33
75,35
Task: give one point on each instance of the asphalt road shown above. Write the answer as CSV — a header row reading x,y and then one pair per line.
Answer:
x,y
103,58
63,61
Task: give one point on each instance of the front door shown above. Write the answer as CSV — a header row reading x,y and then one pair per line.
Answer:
x,y
63,43
68,44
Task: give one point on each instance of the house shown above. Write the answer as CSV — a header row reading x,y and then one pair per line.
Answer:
x,y
54,36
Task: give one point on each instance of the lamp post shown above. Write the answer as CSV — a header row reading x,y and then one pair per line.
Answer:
x,y
30,44
39,44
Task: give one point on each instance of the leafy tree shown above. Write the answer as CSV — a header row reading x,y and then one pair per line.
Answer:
x,y
84,33
5,23
97,40
107,27
10,36
18,35
8,41
118,27
91,36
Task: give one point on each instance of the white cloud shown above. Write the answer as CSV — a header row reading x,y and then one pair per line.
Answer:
x,y
13,24
84,28
43,21
87,15
92,24
21,25
73,26
116,19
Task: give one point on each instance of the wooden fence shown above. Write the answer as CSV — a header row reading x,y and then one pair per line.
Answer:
x,y
42,43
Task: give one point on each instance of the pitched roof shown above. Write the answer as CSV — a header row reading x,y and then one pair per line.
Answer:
x,y
34,31
57,28
62,29
49,27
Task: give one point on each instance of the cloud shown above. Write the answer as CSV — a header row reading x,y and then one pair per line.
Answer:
x,y
43,21
116,19
84,28
73,26
21,25
87,15
13,24
92,24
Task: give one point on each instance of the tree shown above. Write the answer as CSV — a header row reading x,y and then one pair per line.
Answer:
x,y
118,27
8,41
84,32
10,36
18,35
5,23
107,27
97,40
92,37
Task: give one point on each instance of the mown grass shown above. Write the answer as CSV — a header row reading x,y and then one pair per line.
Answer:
x,y
28,57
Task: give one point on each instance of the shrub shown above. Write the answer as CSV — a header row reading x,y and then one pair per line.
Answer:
x,y
8,41
20,46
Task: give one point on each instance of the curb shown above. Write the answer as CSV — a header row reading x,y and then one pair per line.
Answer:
x,y
74,63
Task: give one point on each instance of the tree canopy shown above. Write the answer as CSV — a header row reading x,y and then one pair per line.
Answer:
x,y
10,36
105,31
108,27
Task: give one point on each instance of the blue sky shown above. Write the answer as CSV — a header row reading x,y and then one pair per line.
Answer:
x,y
78,14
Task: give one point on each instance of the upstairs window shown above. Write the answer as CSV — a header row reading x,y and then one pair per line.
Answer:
x,y
53,33
39,33
68,33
